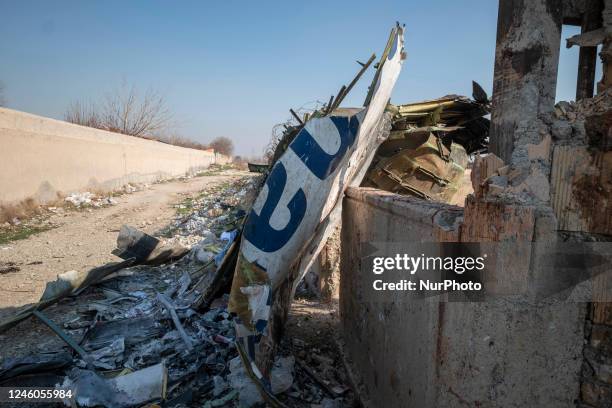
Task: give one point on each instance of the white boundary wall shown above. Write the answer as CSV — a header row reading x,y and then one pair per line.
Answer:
x,y
40,157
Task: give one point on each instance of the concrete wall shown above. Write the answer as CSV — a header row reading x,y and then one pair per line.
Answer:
x,y
42,156
428,353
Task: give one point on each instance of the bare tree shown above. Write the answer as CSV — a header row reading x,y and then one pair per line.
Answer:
x,y
124,111
127,112
223,145
2,98
84,114
178,140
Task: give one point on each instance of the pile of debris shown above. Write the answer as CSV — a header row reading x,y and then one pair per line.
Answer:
x,y
214,210
568,124
151,329
429,147
87,199
155,327
576,132
426,154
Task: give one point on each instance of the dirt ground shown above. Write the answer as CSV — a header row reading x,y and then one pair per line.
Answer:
x,y
312,335
84,239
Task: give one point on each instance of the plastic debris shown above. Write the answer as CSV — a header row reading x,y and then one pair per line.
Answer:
x,y
127,390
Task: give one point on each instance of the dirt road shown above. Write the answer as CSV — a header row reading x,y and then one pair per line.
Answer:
x,y
85,239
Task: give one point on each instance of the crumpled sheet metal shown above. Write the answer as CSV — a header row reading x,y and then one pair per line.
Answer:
x,y
66,284
33,363
144,248
303,188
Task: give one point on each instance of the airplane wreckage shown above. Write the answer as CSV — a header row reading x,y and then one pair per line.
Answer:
x,y
170,325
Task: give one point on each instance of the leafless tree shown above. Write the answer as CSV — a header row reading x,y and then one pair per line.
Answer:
x,y
127,111
84,114
177,140
223,145
2,98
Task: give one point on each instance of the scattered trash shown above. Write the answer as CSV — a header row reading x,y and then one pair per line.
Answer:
x,y
248,393
71,282
87,199
133,331
171,310
139,387
281,377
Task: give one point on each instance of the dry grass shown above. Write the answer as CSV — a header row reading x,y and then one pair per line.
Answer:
x,y
24,209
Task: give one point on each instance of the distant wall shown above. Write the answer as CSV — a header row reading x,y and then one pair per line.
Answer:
x,y
41,157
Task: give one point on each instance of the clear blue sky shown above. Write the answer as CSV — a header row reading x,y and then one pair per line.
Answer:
x,y
232,68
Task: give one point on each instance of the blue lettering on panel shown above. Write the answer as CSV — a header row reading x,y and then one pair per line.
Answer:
x,y
314,157
258,230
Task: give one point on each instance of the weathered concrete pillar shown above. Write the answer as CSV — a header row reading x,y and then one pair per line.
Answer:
x,y
606,51
591,20
525,77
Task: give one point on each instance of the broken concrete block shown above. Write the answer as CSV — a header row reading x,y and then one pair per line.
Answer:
x,y
540,151
483,168
561,129
602,313
591,38
598,130
500,181
537,185
495,190
496,221
595,395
